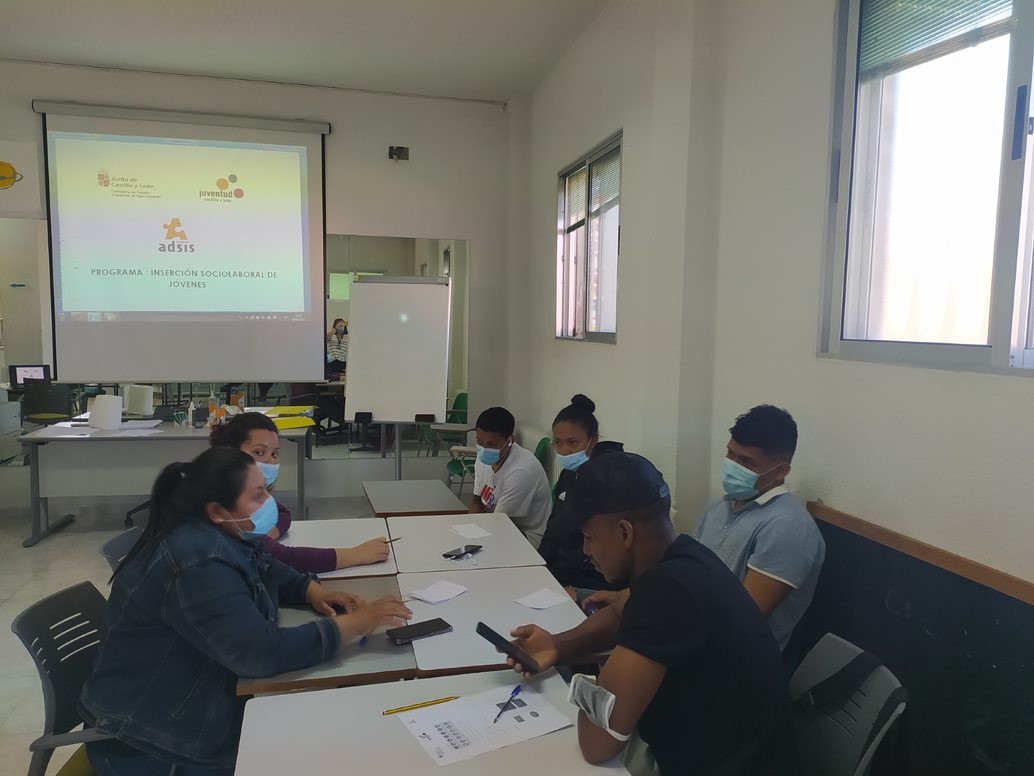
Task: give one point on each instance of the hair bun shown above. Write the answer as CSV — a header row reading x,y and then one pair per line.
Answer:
x,y
581,400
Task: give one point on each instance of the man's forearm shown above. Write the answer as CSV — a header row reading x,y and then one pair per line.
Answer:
x,y
597,634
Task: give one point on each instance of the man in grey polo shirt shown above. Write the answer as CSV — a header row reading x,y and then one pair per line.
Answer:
x,y
759,529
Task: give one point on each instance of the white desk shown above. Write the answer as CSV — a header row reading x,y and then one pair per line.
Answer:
x,y
489,599
346,532
427,537
394,498
337,731
377,661
108,464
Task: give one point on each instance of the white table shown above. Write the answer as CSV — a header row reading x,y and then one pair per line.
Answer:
x,y
106,463
337,731
425,538
394,498
345,532
377,661
489,599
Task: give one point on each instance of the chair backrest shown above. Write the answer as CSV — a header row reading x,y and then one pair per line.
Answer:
x,y
63,634
117,547
458,413
542,450
840,737
42,397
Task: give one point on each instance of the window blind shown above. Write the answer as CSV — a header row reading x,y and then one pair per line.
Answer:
x,y
895,34
576,197
605,181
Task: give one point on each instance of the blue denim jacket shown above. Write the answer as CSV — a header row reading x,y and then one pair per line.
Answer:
x,y
185,622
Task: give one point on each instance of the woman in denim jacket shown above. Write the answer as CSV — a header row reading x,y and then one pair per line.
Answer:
x,y
193,607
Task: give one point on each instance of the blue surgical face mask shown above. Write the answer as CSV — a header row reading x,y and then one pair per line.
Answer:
x,y
489,456
340,331
264,519
269,471
572,461
739,482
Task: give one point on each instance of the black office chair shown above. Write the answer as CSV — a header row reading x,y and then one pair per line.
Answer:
x,y
46,402
63,634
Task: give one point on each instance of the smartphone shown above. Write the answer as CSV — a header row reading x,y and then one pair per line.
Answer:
x,y
508,648
460,552
418,630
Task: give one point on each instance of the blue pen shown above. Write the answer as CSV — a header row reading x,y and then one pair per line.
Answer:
x,y
362,640
514,694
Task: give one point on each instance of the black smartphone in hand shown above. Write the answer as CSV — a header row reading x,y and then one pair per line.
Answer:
x,y
508,648
418,630
462,552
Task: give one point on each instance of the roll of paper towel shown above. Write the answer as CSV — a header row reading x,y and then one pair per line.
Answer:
x,y
139,399
106,412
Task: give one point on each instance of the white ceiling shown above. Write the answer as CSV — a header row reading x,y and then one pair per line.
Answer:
x,y
477,49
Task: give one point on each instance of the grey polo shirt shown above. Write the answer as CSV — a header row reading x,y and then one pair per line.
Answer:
x,y
774,535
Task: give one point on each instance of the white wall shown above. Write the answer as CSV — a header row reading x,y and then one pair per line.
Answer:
x,y
453,185
630,70
944,457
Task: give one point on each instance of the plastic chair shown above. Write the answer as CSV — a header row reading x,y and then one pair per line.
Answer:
x,y
117,547
542,453
63,634
838,736
461,464
458,414
45,402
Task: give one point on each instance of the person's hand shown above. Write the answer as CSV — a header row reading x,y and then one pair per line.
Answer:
x,y
365,619
373,551
539,645
324,601
603,598
571,592
274,533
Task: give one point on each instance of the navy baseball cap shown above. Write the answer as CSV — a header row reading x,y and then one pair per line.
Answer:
x,y
616,482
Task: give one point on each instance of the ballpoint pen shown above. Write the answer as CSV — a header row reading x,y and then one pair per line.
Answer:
x,y
505,706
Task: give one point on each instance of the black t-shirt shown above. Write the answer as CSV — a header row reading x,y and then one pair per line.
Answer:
x,y
724,704
561,545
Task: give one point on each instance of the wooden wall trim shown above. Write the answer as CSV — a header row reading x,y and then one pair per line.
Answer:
x,y
1004,583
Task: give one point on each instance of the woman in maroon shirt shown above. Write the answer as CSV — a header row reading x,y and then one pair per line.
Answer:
x,y
257,435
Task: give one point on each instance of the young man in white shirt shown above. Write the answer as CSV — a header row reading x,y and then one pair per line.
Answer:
x,y
507,478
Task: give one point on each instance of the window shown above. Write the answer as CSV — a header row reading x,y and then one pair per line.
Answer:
x,y
930,230
588,244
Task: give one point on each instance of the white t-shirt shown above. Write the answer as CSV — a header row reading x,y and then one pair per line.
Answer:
x,y
519,490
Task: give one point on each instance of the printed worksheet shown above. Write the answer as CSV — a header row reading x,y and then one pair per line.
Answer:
x,y
463,728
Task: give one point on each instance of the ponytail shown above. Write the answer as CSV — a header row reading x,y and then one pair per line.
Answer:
x,y
182,490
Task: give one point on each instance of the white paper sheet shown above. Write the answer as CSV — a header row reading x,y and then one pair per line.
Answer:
x,y
438,592
471,531
463,728
543,599
135,432
140,424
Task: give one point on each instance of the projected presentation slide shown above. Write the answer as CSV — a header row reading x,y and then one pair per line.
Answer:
x,y
149,228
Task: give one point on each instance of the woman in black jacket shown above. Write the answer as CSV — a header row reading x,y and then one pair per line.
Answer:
x,y
575,440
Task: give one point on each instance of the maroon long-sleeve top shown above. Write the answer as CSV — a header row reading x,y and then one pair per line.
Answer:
x,y
308,560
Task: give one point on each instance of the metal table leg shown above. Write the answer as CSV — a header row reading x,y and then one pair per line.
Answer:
x,y
41,527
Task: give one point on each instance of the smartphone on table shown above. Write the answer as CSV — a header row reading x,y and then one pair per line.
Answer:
x,y
508,648
462,552
418,630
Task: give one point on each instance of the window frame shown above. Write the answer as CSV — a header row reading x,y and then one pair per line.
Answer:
x,y
561,304
1011,308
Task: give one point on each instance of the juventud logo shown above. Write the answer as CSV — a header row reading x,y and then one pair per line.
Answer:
x,y
225,190
176,238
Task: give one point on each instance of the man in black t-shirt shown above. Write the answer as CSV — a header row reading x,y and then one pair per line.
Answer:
x,y
695,668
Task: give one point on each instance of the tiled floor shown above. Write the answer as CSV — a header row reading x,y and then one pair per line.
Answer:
x,y
27,575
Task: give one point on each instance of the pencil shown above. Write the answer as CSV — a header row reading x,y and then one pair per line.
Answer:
x,y
393,540
419,705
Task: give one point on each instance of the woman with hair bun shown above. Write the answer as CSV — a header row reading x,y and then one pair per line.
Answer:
x,y
576,439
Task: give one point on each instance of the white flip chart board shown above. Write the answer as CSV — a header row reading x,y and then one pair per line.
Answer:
x,y
398,353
